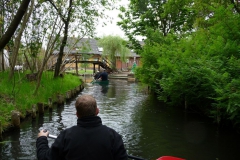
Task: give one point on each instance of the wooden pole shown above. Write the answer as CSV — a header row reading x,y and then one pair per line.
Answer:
x,y
60,100
68,95
76,64
50,103
16,119
1,131
40,108
34,111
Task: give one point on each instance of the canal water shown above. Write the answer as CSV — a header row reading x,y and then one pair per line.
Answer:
x,y
149,128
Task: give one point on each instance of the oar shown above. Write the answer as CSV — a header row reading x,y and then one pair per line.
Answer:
x,y
133,157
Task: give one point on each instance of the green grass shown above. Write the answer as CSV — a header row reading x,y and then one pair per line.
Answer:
x,y
17,93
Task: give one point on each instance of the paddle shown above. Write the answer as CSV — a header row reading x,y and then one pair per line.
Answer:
x,y
93,81
129,156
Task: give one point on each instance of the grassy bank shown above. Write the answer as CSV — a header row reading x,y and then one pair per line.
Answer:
x,y
17,94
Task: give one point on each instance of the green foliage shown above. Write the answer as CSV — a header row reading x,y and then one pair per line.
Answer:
x,y
114,46
162,16
200,69
19,95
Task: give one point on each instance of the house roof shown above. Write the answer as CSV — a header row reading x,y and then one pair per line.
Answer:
x,y
85,45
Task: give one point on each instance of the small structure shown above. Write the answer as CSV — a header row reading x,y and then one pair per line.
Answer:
x,y
85,52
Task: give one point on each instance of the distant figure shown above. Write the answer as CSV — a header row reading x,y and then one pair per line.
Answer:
x,y
103,76
134,67
96,75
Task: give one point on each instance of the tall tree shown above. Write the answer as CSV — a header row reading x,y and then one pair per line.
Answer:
x,y
66,22
17,41
114,46
164,16
14,24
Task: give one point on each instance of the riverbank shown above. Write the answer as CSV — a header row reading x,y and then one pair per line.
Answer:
x,y
150,128
16,95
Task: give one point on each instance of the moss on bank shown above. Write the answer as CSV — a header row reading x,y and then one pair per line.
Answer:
x,y
17,94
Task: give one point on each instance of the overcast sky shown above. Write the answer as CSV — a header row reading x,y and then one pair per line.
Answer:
x,y
111,28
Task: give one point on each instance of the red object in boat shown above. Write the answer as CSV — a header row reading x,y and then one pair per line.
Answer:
x,y
169,158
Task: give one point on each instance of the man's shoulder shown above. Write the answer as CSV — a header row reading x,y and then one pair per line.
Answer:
x,y
111,129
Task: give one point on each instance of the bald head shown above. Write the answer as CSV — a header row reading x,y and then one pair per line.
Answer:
x,y
86,105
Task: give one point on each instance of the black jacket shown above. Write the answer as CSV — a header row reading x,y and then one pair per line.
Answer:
x,y
104,76
89,140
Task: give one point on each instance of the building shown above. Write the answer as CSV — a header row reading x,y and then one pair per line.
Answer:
x,y
88,54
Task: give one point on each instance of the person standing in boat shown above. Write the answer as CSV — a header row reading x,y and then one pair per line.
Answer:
x,y
88,140
103,76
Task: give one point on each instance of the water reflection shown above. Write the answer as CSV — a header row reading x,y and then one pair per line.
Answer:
x,y
104,88
149,128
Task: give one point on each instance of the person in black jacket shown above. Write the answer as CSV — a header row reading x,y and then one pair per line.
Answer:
x,y
103,76
88,140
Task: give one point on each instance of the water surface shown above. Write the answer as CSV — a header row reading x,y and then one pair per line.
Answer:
x,y
149,128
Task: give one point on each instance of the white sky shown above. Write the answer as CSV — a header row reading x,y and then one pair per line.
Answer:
x,y
111,28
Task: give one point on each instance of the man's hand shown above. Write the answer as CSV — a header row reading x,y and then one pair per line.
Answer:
x,y
43,133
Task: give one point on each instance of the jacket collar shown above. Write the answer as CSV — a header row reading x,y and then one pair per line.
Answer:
x,y
90,121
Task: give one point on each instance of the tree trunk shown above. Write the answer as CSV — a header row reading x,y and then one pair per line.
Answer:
x,y
40,71
64,41
18,39
1,33
76,64
60,55
28,63
14,24
1,53
47,55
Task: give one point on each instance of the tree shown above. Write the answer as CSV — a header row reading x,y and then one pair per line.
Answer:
x,y
84,14
14,24
66,22
48,52
163,16
114,46
17,41
197,69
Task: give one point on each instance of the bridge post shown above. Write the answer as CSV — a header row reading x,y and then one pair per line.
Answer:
x,y
94,70
76,64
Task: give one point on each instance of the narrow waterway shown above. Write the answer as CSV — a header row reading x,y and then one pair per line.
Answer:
x,y
149,128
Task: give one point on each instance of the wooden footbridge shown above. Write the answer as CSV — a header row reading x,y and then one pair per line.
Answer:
x,y
73,63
